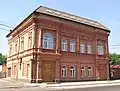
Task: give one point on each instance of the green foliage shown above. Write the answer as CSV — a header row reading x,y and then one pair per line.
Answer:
x,y
3,59
114,59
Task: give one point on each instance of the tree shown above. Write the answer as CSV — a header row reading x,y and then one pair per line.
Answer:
x,y
114,58
3,59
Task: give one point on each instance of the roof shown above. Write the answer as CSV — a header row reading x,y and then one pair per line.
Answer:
x,y
67,16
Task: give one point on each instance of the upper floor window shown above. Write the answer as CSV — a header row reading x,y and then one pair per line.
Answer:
x,y
72,71
16,47
64,45
89,48
100,48
48,41
72,46
10,50
89,71
82,47
83,72
22,43
30,40
63,71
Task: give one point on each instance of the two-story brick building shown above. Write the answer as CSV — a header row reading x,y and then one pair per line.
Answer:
x,y
50,45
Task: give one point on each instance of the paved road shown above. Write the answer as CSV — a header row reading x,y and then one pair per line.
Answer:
x,y
106,88
109,88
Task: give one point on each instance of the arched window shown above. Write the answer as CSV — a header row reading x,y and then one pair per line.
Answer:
x,y
48,41
89,71
83,72
63,71
100,48
72,71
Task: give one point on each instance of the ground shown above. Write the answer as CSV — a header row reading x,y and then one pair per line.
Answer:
x,y
109,88
80,86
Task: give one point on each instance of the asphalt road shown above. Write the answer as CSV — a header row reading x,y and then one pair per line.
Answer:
x,y
106,88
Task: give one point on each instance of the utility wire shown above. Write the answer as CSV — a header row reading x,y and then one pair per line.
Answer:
x,y
4,29
5,25
115,45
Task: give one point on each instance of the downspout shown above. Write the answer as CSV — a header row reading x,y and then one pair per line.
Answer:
x,y
18,52
34,61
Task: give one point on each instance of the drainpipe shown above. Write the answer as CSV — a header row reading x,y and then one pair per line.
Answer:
x,y
34,61
18,52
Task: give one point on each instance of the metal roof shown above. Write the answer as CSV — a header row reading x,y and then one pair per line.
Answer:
x,y
64,15
53,12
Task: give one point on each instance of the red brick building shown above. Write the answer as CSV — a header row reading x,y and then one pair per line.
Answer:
x,y
50,45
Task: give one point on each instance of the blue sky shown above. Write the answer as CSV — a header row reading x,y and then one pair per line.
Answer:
x,y
106,12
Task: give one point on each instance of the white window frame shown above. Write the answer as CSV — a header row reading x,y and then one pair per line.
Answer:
x,y
83,72
90,73
89,48
64,45
49,40
100,48
72,71
63,71
82,47
72,46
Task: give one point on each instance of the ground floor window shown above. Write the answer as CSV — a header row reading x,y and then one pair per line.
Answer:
x,y
89,71
83,72
14,69
72,71
63,71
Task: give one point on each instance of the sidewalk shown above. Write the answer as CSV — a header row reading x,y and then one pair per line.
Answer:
x,y
65,85
83,83
7,84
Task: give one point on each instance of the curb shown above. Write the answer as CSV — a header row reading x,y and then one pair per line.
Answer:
x,y
87,86
58,85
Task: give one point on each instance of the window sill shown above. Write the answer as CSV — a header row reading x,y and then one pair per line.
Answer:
x,y
72,76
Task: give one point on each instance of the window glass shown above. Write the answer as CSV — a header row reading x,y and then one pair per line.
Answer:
x,y
72,71
82,47
48,41
72,46
83,73
100,48
63,71
64,45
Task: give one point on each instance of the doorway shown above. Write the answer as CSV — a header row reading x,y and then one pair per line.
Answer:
x,y
48,71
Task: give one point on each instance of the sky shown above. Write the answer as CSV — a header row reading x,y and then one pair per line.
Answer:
x,y
107,12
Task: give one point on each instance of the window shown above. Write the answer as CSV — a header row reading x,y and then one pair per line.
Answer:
x,y
16,45
72,46
89,71
100,48
10,50
22,43
48,41
64,45
83,73
20,62
89,48
14,69
63,71
29,40
23,69
28,67
72,71
82,47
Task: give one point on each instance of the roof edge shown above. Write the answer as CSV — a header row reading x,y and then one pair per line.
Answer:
x,y
11,31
